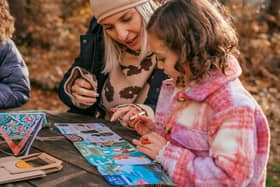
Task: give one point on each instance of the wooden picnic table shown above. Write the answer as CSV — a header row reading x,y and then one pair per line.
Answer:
x,y
76,172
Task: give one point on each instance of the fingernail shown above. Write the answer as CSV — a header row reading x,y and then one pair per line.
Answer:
x,y
145,141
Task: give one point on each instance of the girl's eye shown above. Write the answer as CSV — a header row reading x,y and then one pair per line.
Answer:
x,y
108,28
160,59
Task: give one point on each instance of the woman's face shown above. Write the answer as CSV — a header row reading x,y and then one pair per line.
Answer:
x,y
166,58
125,28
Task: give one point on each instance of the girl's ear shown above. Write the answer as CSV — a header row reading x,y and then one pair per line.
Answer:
x,y
187,69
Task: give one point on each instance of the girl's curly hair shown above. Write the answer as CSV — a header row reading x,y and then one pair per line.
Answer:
x,y
197,32
6,21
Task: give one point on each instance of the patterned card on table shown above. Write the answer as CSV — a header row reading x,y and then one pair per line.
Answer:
x,y
126,175
89,149
134,158
20,128
88,132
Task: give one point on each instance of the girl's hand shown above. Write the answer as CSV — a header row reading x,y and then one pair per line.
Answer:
x,y
125,114
83,92
150,144
143,125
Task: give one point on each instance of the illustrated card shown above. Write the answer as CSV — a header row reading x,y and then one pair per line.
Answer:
x,y
134,158
122,175
19,129
88,149
18,124
88,132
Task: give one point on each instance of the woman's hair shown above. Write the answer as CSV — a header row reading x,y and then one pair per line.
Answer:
x,y
6,21
197,32
113,50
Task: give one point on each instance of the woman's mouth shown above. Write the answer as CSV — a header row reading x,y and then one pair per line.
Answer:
x,y
131,43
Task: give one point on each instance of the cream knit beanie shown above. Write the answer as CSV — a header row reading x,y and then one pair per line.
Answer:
x,y
104,8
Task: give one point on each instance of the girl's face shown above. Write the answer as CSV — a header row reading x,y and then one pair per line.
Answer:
x,y
166,58
125,28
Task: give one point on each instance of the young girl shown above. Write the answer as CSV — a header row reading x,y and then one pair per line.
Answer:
x,y
14,81
208,130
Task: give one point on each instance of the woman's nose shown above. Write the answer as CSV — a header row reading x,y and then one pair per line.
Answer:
x,y
122,33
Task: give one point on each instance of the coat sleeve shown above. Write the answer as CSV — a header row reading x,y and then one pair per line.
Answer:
x,y
14,77
155,82
65,97
232,152
85,60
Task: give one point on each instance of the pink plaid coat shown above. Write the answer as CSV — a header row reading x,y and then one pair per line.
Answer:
x,y
219,134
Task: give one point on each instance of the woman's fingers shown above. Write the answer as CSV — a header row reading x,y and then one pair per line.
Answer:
x,y
84,100
80,82
83,92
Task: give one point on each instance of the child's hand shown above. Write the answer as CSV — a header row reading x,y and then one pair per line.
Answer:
x,y
123,114
150,144
142,124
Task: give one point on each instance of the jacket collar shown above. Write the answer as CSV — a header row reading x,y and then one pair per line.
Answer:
x,y
214,81
211,83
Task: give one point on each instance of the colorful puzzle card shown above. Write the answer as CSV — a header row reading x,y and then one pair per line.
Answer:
x,y
134,158
123,175
87,132
88,149
19,129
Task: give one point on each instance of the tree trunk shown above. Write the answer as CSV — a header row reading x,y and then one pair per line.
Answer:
x,y
275,8
18,10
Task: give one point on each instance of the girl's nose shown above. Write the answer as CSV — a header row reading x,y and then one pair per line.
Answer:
x,y
160,65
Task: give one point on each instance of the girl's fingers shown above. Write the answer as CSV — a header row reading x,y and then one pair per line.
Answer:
x,y
124,112
118,113
147,149
136,142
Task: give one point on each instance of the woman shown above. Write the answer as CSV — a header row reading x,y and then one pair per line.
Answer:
x,y
14,81
115,71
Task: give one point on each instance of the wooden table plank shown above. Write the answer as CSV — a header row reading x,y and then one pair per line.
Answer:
x,y
70,176
17,184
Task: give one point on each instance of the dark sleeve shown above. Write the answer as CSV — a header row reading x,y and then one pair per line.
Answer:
x,y
14,80
155,82
91,50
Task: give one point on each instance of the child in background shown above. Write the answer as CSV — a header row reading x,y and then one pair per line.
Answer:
x,y
208,130
14,81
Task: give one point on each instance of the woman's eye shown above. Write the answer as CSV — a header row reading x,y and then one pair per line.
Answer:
x,y
127,19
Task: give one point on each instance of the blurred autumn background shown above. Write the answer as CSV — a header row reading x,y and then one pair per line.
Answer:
x,y
47,35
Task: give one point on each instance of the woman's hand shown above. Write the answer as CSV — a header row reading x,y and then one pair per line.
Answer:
x,y
150,144
83,92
